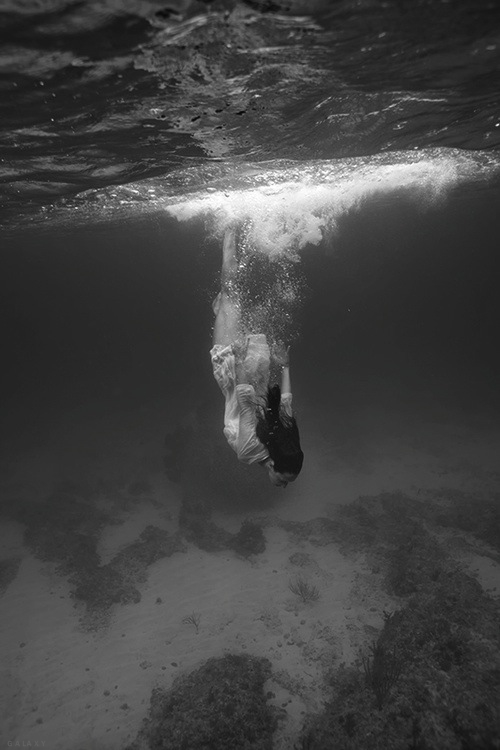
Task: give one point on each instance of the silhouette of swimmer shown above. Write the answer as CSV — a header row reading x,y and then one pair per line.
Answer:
x,y
258,419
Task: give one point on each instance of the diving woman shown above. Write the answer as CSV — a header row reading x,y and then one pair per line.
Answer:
x,y
258,419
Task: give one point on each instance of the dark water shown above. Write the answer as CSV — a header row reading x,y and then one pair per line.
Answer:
x,y
356,144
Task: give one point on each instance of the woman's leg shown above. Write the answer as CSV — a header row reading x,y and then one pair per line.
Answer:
x,y
226,305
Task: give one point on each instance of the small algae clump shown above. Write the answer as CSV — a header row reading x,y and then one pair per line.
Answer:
x,y
197,527
306,591
65,528
249,540
221,705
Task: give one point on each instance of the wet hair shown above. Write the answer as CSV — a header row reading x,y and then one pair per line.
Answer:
x,y
279,433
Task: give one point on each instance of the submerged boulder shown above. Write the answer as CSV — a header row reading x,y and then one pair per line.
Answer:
x,y
220,705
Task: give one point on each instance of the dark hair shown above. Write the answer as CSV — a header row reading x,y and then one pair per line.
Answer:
x,y
279,433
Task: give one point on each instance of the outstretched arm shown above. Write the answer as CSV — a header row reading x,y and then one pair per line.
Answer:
x,y
281,355
286,386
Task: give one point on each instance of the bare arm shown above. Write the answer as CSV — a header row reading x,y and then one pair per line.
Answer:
x,y
281,354
286,386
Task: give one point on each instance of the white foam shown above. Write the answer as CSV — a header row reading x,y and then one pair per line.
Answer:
x,y
284,217
282,205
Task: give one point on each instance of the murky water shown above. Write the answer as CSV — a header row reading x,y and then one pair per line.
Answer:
x,y
356,147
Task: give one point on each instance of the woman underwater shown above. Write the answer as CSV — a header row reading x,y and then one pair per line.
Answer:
x,y
258,420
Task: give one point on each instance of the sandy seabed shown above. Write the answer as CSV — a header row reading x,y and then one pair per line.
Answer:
x,y
70,682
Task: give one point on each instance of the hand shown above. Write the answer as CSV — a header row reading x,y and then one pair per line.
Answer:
x,y
281,354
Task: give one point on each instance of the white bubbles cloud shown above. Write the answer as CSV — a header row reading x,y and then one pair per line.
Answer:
x,y
282,206
284,217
